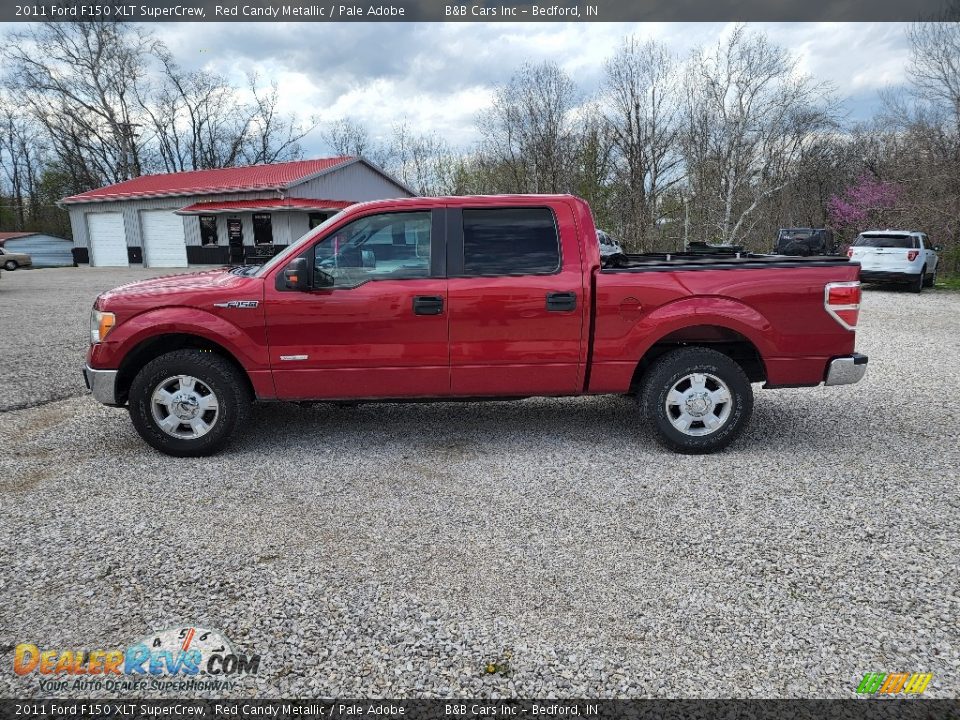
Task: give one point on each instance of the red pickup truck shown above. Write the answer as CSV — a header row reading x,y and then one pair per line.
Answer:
x,y
472,298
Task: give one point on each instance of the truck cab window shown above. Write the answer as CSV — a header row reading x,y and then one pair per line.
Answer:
x,y
389,246
510,241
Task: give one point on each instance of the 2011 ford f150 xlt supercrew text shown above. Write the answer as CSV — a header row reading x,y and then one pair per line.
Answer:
x,y
472,298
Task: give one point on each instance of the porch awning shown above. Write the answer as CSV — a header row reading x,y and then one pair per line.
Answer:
x,y
272,205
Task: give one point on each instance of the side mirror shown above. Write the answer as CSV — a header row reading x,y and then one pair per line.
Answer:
x,y
295,275
938,248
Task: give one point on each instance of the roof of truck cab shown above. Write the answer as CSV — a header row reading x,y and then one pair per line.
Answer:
x,y
516,198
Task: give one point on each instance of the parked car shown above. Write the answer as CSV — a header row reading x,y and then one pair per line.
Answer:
x,y
897,256
805,242
11,260
472,298
608,246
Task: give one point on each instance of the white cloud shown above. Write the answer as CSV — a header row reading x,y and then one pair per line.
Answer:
x,y
439,76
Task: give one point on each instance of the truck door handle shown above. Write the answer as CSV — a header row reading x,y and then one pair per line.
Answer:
x,y
427,305
561,301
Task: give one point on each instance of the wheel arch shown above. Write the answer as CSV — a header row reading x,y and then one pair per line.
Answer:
x,y
153,347
732,343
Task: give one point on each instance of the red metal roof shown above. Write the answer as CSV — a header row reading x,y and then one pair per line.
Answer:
x,y
275,176
13,235
278,204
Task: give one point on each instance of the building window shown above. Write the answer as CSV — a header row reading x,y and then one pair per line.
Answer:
x,y
262,229
208,229
317,219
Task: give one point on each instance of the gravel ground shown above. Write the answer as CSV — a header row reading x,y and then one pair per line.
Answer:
x,y
395,550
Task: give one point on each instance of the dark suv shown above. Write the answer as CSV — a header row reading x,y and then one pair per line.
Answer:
x,y
805,242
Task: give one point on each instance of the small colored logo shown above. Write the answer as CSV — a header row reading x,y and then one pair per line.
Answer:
x,y
187,651
894,683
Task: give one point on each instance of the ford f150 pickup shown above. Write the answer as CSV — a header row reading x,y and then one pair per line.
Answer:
x,y
470,298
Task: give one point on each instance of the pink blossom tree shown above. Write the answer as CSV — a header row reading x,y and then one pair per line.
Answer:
x,y
868,202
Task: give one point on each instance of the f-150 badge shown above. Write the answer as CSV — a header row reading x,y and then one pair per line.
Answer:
x,y
242,304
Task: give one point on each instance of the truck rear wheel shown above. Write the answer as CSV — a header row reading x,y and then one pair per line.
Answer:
x,y
188,402
698,400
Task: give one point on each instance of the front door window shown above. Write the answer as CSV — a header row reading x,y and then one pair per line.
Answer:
x,y
389,246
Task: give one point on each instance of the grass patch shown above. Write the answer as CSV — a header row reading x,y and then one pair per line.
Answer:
x,y
950,282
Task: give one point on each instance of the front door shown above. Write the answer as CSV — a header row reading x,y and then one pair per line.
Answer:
x,y
517,313
375,323
235,237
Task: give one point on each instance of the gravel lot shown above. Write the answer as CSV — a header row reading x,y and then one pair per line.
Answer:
x,y
394,550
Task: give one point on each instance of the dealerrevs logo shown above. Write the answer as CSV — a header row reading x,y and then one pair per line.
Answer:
x,y
184,653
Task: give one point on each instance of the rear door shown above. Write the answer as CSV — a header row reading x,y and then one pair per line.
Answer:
x,y
516,296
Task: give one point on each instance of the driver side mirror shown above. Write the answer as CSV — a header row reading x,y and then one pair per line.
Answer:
x,y
295,275
938,248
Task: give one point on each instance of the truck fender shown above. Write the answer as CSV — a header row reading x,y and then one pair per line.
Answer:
x,y
701,311
192,321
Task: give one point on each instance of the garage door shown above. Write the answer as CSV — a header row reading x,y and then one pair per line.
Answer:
x,y
163,242
108,244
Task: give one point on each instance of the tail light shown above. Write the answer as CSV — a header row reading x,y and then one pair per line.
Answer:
x,y
849,252
842,301
912,255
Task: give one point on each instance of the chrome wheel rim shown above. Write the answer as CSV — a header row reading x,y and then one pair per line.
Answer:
x,y
184,407
698,404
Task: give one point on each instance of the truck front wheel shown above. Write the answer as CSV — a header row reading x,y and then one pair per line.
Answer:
x,y
188,402
698,400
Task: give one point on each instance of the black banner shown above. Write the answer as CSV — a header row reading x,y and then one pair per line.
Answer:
x,y
477,11
500,709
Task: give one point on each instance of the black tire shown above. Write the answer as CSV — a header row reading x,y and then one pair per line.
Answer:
x,y
215,373
671,369
931,279
916,285
11,265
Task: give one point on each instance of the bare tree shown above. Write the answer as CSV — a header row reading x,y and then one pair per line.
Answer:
x,y
196,118
643,111
529,130
272,137
935,66
347,136
21,161
81,80
749,115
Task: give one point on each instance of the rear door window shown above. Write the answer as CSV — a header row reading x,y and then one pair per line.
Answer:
x,y
886,241
510,241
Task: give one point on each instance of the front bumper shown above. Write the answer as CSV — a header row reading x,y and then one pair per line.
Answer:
x,y
102,383
886,276
846,370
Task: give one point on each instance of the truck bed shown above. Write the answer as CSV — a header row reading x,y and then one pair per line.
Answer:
x,y
713,261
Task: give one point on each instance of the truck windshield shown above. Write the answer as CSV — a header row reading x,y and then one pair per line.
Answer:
x,y
885,241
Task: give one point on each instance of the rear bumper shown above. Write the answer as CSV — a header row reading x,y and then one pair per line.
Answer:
x,y
846,370
886,276
102,383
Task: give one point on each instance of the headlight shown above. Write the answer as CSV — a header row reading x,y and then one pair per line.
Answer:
x,y
101,323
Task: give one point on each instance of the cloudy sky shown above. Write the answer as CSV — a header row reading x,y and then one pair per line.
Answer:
x,y
438,76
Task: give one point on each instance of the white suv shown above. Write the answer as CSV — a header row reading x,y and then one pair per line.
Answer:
x,y
895,256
